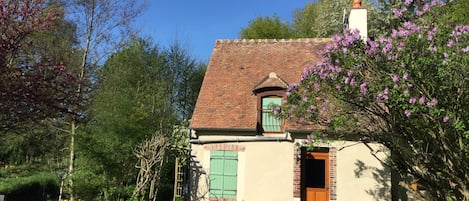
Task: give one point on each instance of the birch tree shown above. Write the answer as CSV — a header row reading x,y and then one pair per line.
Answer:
x,y
102,25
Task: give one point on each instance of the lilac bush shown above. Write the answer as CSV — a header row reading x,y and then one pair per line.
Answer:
x,y
408,90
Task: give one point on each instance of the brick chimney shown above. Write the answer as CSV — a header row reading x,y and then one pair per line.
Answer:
x,y
358,19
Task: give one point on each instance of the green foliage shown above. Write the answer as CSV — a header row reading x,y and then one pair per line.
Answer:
x,y
129,105
21,185
184,77
267,28
455,12
320,19
141,90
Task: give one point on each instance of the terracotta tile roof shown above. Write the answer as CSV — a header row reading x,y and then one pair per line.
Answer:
x,y
237,67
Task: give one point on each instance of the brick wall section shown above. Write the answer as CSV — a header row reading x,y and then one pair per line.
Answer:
x,y
224,147
297,173
332,173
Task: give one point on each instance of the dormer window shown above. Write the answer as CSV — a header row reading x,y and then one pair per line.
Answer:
x,y
269,122
270,92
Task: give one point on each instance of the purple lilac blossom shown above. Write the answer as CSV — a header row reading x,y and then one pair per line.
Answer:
x,y
336,38
381,97
401,45
426,8
465,50
338,87
364,88
302,119
316,86
432,103
353,82
407,113
422,100
388,47
405,76
395,78
372,47
445,119
412,100
346,80
450,43
431,33
397,13
276,110
412,26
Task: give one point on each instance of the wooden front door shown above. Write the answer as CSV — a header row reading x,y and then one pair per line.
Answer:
x,y
315,176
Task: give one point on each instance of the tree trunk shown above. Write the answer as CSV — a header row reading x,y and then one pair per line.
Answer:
x,y
61,190
72,159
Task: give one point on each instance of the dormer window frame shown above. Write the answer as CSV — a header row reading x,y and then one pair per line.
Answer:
x,y
270,86
266,93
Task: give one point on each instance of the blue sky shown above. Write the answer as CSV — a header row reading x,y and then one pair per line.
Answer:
x,y
197,24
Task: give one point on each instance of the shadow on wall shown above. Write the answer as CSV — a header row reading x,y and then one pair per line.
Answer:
x,y
382,190
196,173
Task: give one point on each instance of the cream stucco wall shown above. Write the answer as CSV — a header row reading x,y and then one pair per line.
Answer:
x,y
360,176
269,171
265,170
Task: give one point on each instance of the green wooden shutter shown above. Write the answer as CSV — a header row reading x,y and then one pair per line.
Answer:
x,y
269,121
223,174
231,174
216,173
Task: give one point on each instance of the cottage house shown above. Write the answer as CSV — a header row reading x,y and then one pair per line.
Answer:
x,y
240,152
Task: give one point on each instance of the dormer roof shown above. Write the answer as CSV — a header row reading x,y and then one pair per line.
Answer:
x,y
271,81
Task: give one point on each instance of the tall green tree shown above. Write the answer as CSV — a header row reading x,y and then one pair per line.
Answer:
x,y
185,77
267,28
405,90
321,18
130,104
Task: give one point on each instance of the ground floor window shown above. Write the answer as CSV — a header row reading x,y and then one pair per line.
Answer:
x,y
223,174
